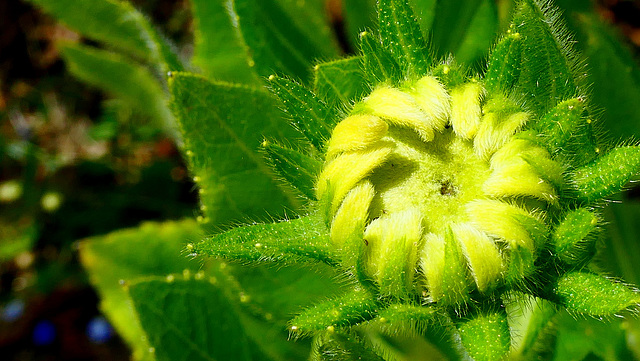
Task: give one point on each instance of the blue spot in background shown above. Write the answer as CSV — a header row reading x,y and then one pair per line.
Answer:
x,y
13,310
99,330
44,333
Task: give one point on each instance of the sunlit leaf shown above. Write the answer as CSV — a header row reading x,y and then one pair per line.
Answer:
x,y
222,139
115,259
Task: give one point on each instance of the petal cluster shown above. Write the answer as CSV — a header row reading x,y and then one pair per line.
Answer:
x,y
432,191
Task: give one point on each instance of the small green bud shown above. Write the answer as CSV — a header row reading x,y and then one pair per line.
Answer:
x,y
606,175
573,239
593,294
486,336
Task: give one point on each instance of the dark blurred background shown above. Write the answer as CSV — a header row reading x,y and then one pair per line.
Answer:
x,y
76,163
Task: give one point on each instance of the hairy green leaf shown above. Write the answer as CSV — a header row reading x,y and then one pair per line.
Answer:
x,y
549,69
112,261
220,50
340,82
504,64
592,294
295,168
339,346
191,319
486,335
307,113
379,65
402,37
303,237
533,328
269,295
222,139
346,310
567,131
571,237
279,42
606,175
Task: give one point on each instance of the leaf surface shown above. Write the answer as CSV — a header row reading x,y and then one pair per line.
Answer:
x,y
306,112
222,139
549,65
220,50
281,38
402,37
227,312
451,23
340,82
305,237
116,258
191,319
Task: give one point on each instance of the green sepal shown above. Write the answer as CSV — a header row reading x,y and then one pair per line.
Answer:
x,y
297,169
592,294
341,346
560,123
485,335
347,310
606,175
393,276
537,229
379,65
538,328
567,132
353,255
502,105
340,82
455,277
520,266
504,64
450,75
404,318
307,113
573,239
548,72
548,170
401,35
305,237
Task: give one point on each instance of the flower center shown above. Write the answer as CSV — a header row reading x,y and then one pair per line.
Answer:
x,y
438,178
